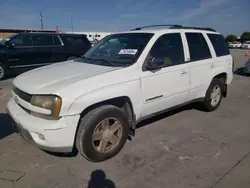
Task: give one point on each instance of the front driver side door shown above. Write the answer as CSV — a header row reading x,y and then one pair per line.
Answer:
x,y
168,86
21,55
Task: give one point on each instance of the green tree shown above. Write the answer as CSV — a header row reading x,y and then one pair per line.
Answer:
x,y
231,38
245,36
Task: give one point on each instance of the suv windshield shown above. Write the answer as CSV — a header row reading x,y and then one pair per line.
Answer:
x,y
3,41
118,49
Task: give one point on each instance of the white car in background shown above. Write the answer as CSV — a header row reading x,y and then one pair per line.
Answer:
x,y
246,45
234,44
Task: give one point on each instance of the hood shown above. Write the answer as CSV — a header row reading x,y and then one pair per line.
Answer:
x,y
50,78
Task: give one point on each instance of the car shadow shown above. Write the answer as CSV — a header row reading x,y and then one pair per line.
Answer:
x,y
192,106
98,180
5,126
74,153
240,72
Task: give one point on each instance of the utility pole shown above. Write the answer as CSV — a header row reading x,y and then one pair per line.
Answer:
x,y
72,25
41,20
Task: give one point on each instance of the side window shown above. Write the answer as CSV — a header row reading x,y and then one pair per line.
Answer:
x,y
169,48
198,47
68,39
24,40
43,40
57,41
219,44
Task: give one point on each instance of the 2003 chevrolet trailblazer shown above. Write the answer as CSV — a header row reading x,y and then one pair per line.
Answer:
x,y
95,102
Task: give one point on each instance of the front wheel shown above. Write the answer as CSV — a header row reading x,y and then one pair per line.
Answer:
x,y
102,133
214,95
2,71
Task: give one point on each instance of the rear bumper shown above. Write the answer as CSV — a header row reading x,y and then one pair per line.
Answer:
x,y
54,136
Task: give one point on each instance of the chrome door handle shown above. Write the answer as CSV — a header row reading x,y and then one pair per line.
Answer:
x,y
183,73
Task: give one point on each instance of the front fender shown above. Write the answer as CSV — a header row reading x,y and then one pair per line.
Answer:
x,y
129,89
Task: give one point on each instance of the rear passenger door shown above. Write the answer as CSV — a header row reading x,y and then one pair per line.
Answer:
x,y
44,46
224,61
200,63
167,86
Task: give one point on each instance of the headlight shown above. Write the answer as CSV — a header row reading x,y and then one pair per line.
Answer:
x,y
49,102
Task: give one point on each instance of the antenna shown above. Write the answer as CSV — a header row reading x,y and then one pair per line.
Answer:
x,y
72,24
41,20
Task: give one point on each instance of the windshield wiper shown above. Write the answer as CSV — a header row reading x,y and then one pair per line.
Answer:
x,y
104,60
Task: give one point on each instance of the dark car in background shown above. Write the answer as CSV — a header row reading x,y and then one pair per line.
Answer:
x,y
26,51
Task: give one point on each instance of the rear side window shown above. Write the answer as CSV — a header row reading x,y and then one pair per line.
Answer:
x,y
219,44
198,47
169,48
74,40
43,40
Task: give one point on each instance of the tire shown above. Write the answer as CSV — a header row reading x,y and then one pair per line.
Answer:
x,y
209,105
71,58
2,71
90,123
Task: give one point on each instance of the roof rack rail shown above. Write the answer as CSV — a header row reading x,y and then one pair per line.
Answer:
x,y
173,26
149,26
189,27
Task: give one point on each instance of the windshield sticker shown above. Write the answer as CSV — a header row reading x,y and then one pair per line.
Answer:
x,y
128,51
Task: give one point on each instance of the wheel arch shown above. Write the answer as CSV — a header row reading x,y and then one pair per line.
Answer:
x,y
223,77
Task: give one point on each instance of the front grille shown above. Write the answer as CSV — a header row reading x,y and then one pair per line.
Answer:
x,y
24,96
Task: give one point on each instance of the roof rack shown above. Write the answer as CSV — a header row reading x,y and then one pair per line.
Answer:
x,y
189,27
149,26
172,26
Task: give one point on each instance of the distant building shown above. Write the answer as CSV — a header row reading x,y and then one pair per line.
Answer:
x,y
7,32
92,36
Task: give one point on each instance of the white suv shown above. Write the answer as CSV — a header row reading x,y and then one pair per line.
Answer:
x,y
95,102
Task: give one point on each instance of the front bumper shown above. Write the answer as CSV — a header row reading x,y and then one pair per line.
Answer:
x,y
49,135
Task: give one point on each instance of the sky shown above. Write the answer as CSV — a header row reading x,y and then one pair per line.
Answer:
x,y
226,16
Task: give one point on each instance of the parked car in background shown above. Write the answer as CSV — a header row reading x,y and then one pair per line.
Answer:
x,y
247,67
25,51
234,44
96,101
246,45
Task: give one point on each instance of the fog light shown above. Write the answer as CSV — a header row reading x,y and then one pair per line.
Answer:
x,y
40,136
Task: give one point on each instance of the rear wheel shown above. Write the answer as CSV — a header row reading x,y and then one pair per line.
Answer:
x,y
102,133
214,95
2,71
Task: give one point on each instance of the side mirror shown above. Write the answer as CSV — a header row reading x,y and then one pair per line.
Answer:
x,y
155,63
10,45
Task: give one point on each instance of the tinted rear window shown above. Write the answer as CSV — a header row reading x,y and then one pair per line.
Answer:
x,y
42,40
219,44
198,47
72,40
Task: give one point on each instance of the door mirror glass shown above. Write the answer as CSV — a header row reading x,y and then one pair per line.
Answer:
x,y
10,45
155,63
